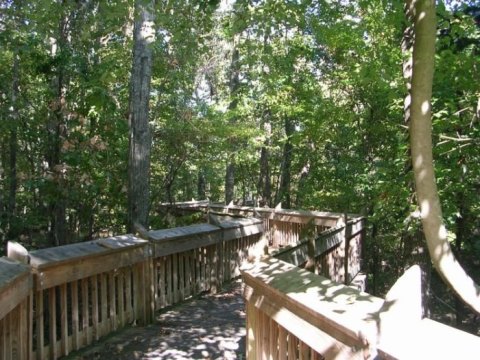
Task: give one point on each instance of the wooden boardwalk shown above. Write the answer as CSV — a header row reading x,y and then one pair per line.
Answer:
x,y
206,327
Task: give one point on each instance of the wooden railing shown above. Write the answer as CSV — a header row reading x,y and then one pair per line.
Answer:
x,y
294,314
15,321
70,296
334,252
75,294
282,227
336,249
183,267
85,291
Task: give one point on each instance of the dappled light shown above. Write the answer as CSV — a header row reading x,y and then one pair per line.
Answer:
x,y
332,145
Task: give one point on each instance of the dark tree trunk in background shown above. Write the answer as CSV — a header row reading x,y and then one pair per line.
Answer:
x,y
285,176
201,186
233,85
13,149
56,128
264,186
230,183
139,135
264,181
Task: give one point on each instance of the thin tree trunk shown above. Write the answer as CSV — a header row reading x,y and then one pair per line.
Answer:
x,y
56,130
13,148
234,86
421,146
139,136
201,186
264,181
284,190
230,183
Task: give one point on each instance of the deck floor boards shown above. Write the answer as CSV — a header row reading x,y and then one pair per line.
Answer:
x,y
205,327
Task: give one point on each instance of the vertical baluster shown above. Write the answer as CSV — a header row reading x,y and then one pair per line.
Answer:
x,y
169,278
52,310
85,313
3,335
121,298
104,304
128,294
40,324
94,301
188,274
181,276
282,343
75,323
63,320
175,277
273,332
112,302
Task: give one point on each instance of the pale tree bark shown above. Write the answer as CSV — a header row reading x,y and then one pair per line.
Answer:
x,y
421,147
140,142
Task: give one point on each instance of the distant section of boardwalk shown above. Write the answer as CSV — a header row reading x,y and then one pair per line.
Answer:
x,y
207,327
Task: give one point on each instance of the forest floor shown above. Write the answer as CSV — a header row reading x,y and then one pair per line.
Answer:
x,y
205,327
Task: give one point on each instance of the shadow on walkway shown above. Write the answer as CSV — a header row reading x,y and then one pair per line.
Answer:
x,y
207,327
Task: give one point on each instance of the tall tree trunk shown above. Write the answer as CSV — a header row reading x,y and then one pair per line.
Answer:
x,y
283,195
139,136
201,185
233,85
230,182
264,181
56,131
13,148
421,146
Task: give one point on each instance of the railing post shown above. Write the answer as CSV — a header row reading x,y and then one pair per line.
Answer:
x,y
17,252
347,233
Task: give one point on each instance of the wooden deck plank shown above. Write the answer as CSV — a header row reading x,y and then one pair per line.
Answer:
x,y
67,253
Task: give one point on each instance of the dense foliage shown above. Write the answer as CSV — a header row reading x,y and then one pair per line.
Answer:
x,y
304,97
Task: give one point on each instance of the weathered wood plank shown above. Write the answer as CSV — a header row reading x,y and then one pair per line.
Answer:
x,y
181,232
251,330
15,284
128,294
85,250
56,273
94,301
63,321
75,319
282,343
85,313
181,276
120,298
106,325
40,324
112,300
347,315
298,254
161,282
52,323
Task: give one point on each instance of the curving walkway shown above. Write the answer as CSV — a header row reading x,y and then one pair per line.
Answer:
x,y
207,327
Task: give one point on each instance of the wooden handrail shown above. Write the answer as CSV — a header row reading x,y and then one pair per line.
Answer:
x,y
298,300
74,294
80,292
292,313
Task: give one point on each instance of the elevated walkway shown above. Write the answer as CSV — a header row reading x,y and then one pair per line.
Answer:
x,y
58,301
